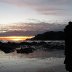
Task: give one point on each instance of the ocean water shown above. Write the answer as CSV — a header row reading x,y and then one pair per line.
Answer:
x,y
41,60
52,49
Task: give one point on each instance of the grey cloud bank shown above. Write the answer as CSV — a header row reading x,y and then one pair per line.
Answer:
x,y
29,29
46,7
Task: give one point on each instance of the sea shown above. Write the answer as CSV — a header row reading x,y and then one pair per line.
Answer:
x,y
43,59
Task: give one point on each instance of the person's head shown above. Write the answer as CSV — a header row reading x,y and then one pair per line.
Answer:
x,y
70,23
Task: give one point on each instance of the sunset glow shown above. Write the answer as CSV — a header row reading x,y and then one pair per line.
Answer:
x,y
23,19
16,38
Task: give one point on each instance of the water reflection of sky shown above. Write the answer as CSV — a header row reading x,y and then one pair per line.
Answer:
x,y
35,54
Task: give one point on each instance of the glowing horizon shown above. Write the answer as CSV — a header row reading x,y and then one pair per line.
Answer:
x,y
15,38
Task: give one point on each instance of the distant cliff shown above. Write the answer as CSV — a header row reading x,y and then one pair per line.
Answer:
x,y
51,35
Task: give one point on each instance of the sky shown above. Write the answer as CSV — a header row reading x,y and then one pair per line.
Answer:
x,y
51,11
32,17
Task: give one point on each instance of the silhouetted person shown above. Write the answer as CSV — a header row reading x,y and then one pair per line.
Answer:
x,y
68,47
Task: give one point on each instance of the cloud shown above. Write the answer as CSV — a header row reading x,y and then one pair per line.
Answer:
x,y
46,7
29,29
